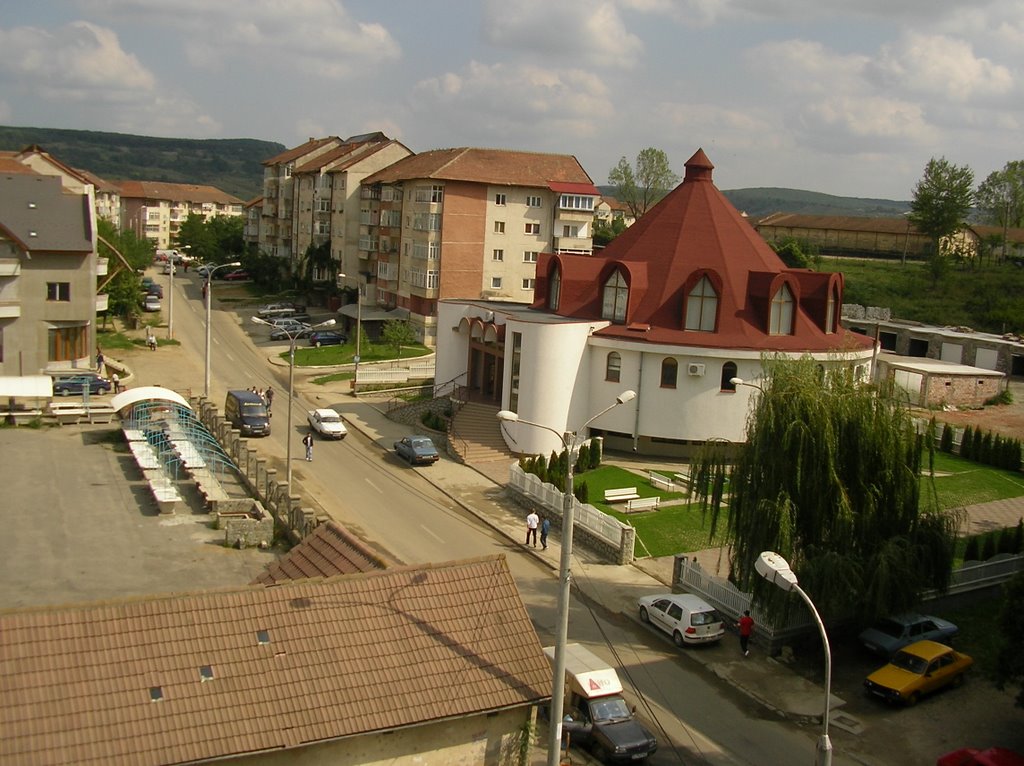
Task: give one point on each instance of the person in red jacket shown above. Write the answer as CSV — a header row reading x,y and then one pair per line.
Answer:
x,y
746,626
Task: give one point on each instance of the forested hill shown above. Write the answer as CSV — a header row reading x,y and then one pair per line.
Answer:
x,y
231,165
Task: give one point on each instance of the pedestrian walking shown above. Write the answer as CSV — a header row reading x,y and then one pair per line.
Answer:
x,y
270,398
532,522
746,627
545,528
150,339
99,361
307,442
116,381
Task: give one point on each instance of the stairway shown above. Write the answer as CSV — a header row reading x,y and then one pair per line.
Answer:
x,y
476,435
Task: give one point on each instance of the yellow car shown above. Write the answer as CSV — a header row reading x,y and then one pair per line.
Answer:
x,y
918,669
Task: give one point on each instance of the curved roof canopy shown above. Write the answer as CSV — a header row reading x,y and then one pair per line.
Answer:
x,y
147,393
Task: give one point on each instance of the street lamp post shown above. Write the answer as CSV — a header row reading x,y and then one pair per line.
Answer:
x,y
170,294
359,332
207,290
568,439
775,569
292,337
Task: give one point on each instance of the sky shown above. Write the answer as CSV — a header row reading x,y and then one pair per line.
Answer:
x,y
846,97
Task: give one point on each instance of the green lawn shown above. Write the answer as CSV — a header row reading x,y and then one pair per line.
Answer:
x,y
969,482
306,356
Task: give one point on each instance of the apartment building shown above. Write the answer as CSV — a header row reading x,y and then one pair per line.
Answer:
x,y
468,223
48,273
155,210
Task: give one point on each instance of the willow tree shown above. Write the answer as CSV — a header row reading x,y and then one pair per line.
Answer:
x,y
830,477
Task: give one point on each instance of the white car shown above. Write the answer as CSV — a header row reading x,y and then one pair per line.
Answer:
x,y
687,618
151,302
327,423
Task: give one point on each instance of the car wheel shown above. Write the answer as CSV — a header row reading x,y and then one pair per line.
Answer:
x,y
601,754
644,617
65,392
957,681
914,699
677,637
316,344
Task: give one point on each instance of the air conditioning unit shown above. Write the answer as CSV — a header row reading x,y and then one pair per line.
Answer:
x,y
695,369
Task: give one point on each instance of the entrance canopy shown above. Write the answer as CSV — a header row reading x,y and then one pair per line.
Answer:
x,y
26,386
146,394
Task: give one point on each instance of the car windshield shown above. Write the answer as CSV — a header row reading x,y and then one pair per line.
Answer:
x,y
705,618
253,409
908,661
330,418
889,628
422,444
610,709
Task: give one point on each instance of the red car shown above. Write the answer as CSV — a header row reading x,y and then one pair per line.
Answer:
x,y
237,275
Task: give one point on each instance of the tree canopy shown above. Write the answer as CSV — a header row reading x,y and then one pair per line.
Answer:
x,y
642,187
124,289
830,479
1010,667
942,199
1000,197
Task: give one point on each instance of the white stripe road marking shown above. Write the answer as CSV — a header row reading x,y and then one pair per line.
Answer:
x,y
431,533
374,486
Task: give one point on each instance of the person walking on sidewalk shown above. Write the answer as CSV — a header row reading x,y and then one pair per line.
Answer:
x,y
532,522
269,395
307,442
545,528
99,361
117,383
746,627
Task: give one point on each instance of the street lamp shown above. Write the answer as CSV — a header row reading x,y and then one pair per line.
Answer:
x,y
775,569
568,439
359,332
207,290
170,294
292,337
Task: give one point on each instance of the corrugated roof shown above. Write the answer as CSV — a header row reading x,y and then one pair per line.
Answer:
x,y
900,225
291,665
500,167
174,192
327,551
37,213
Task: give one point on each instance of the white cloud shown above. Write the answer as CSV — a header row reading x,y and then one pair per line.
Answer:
x,y
577,30
804,66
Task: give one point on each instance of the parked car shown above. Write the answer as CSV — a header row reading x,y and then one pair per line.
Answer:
x,y
169,268
66,384
326,338
687,618
282,309
287,333
151,302
155,289
288,323
990,756
327,423
889,635
238,275
418,450
205,269
146,283
918,669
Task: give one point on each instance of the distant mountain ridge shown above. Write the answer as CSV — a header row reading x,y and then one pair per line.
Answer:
x,y
232,165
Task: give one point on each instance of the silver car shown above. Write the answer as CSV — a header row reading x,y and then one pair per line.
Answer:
x,y
687,618
890,634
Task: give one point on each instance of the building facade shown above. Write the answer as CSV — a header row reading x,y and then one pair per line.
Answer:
x,y
155,211
681,303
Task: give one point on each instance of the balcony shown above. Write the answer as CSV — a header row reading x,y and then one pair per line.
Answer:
x,y
10,267
10,309
102,267
102,301
574,245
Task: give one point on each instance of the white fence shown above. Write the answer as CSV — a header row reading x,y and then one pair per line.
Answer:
x,y
395,372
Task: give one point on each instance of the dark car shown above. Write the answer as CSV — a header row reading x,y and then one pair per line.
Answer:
x,y
418,450
155,289
238,275
77,382
326,338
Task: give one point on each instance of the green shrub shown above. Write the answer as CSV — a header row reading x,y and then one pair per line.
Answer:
x,y
595,453
991,545
582,492
946,442
582,459
1018,537
1003,397
971,552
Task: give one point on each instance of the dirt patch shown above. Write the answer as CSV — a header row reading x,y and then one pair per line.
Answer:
x,y
1003,419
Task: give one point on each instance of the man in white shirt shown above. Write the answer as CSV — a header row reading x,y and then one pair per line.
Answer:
x,y
532,522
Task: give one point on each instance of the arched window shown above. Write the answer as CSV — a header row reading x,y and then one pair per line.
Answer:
x,y
613,367
830,309
702,307
781,320
728,373
616,296
669,372
554,288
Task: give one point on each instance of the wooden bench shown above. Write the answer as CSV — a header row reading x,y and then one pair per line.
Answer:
x,y
682,478
642,504
165,493
620,495
661,482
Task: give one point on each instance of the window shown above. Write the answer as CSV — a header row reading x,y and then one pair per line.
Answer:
x,y
530,256
67,343
499,199
576,202
613,367
497,255
433,250
702,306
781,319
429,194
570,231
669,372
528,283
830,309
495,283
616,296
728,373
58,291
533,201
554,289
533,228
499,227
513,383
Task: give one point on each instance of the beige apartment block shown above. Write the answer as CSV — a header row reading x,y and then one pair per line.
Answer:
x,y
468,223
155,210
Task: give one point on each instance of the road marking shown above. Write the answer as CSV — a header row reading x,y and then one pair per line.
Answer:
x,y
374,486
431,533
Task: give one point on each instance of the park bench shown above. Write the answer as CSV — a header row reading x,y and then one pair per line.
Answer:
x,y
642,504
620,495
661,482
164,492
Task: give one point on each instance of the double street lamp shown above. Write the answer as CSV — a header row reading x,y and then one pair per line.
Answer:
x,y
775,569
359,332
170,292
293,335
568,439
207,290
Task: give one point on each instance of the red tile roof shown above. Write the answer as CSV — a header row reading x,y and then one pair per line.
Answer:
x,y
898,225
500,167
292,154
174,192
695,230
328,551
289,665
